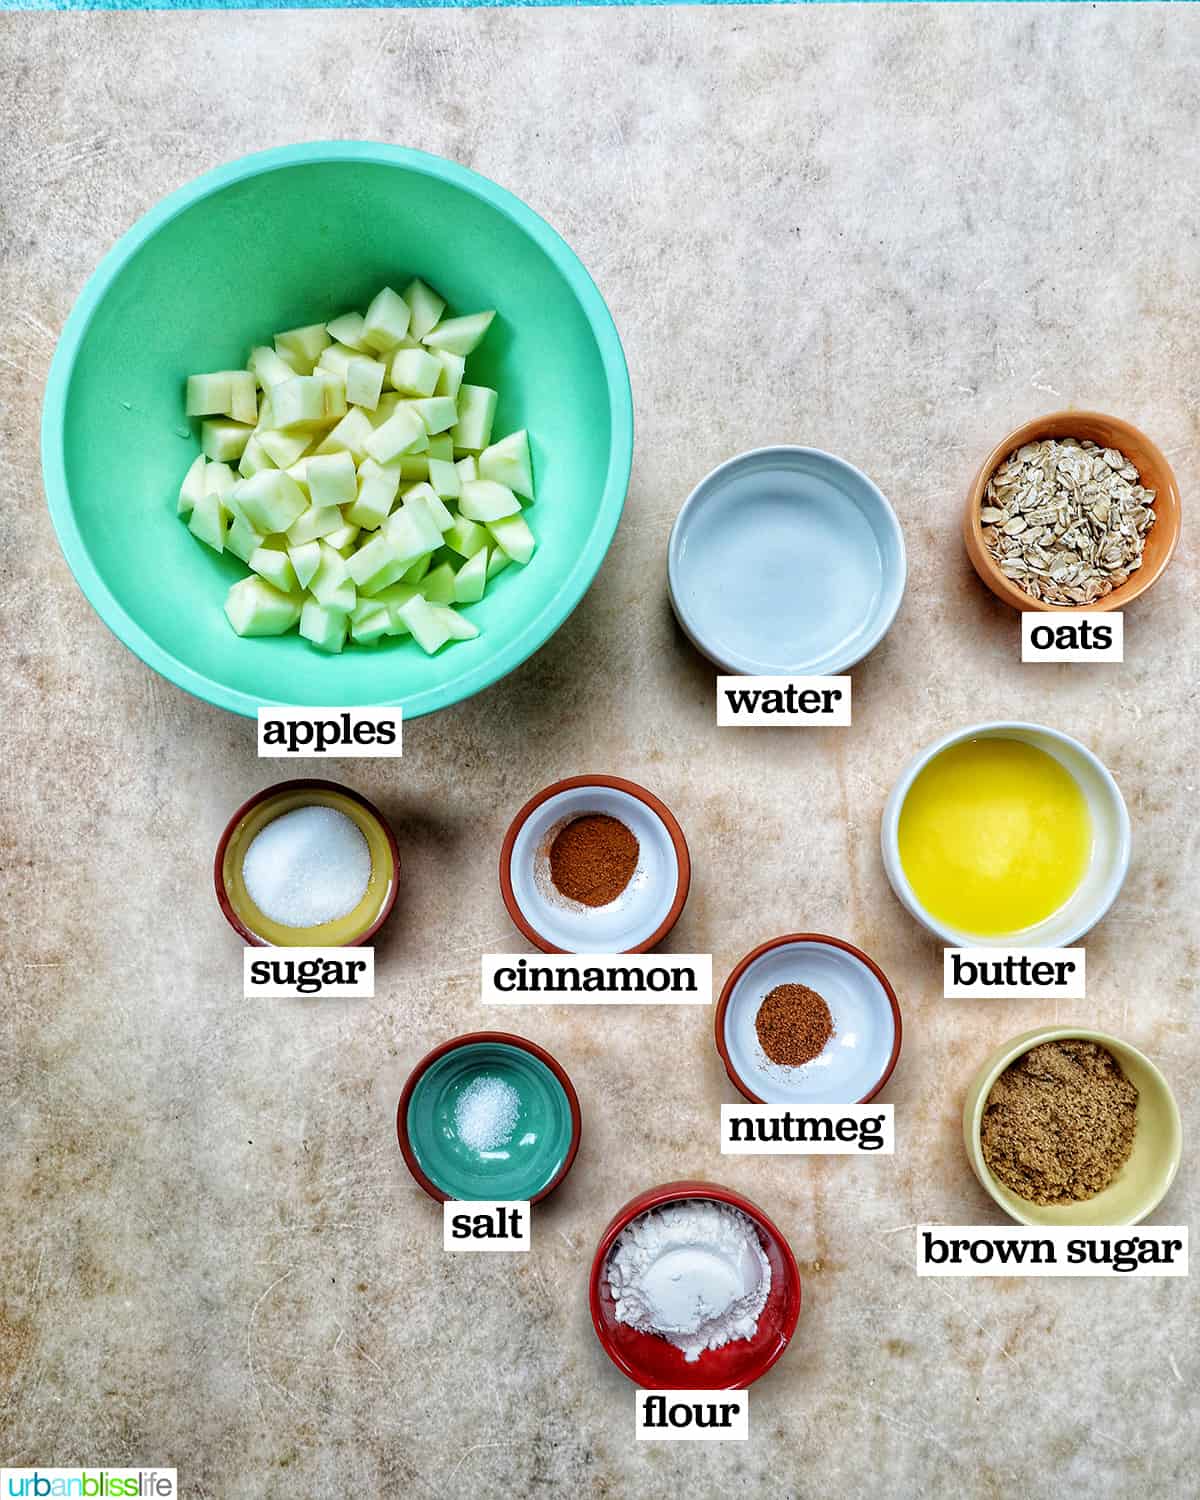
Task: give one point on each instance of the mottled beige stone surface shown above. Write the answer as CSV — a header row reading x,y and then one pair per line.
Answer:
x,y
894,233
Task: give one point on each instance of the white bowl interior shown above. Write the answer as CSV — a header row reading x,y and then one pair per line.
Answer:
x,y
786,560
1110,842
864,1027
639,910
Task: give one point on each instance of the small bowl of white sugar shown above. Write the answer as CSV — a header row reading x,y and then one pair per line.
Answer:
x,y
307,864
489,1115
694,1288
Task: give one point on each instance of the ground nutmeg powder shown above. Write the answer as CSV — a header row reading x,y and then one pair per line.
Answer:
x,y
793,1024
1059,1122
593,859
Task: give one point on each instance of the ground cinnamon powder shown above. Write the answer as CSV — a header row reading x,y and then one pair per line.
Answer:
x,y
593,859
1059,1122
793,1024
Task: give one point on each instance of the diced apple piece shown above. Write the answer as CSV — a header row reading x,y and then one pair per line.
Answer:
x,y
454,367
444,478
459,335
415,372
476,412
317,521
364,382
268,368
385,408
411,533
370,621
426,495
208,395
332,584
302,347
514,536
243,397
441,445
404,432
331,479
386,321
255,607
471,579
333,387
305,560
467,468
284,448
467,537
427,629
507,462
425,307
418,570
376,494
337,359
437,413
392,598
348,330
271,499
376,565
350,435
438,586
323,626
275,567
223,440
207,521
459,628
497,563
484,500
192,488
299,402
255,457
412,467
343,539
242,539
219,480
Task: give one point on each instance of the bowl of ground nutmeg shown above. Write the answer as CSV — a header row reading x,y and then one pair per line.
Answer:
x,y
1066,1125
595,864
809,1020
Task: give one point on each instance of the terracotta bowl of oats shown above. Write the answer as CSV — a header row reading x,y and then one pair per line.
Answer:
x,y
1074,511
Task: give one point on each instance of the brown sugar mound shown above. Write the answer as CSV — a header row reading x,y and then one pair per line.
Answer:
x,y
1059,1122
593,859
793,1025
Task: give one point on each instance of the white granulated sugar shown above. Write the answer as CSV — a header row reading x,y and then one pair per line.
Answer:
x,y
485,1113
694,1272
307,867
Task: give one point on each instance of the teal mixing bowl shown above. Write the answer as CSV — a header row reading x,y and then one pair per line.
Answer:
x,y
289,237
446,1145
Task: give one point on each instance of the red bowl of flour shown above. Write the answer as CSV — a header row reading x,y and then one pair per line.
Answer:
x,y
653,1363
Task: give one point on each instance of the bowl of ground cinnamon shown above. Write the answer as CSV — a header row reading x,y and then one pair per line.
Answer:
x,y
1067,1125
595,864
808,1019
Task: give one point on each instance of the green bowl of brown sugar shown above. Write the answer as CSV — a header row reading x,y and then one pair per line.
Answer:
x,y
1068,1125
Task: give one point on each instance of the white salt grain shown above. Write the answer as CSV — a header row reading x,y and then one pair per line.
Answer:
x,y
485,1113
307,867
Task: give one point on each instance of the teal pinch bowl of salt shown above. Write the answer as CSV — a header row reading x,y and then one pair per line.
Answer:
x,y
786,561
489,1116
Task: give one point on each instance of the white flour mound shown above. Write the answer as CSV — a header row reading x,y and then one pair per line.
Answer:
x,y
693,1272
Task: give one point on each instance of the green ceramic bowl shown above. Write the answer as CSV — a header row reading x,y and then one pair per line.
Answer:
x,y
289,237
1141,1184
543,1140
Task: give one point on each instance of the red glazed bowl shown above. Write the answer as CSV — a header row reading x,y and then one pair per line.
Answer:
x,y
654,1364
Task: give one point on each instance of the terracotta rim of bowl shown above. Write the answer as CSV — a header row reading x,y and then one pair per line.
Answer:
x,y
805,937
281,788
661,811
1016,1047
1167,505
674,1192
468,1039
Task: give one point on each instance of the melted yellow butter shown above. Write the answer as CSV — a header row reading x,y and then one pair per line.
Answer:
x,y
995,836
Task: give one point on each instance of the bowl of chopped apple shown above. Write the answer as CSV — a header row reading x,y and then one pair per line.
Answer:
x,y
337,424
